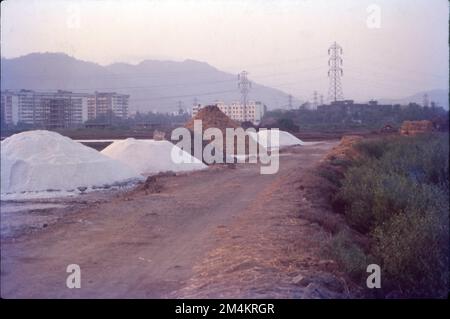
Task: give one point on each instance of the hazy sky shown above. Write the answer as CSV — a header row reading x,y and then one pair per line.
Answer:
x,y
280,43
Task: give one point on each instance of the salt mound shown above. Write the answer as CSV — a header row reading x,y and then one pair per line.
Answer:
x,y
37,161
285,139
150,156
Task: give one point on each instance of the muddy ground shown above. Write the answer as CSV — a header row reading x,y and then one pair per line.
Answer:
x,y
219,233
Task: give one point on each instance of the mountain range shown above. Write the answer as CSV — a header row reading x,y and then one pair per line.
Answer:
x,y
152,85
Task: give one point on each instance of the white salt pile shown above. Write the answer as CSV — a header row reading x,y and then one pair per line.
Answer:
x,y
264,137
39,161
150,156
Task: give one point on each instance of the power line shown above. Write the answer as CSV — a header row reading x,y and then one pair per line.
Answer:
x,y
373,71
292,61
383,82
182,96
392,67
113,74
170,85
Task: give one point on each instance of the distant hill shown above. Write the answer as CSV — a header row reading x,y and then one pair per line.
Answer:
x,y
152,85
439,96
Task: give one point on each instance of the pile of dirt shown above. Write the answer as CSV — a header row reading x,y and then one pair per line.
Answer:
x,y
212,116
416,127
345,150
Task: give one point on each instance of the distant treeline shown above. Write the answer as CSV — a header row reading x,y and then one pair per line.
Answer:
x,y
335,118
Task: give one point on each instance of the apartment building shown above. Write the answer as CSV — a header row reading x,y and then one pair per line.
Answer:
x,y
106,104
24,106
59,109
9,108
62,109
252,112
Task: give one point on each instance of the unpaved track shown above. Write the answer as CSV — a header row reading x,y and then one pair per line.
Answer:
x,y
221,232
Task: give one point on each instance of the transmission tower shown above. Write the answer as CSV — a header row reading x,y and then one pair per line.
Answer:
x,y
425,100
180,108
335,72
244,85
315,101
321,99
290,102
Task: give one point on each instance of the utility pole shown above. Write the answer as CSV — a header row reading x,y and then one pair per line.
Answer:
x,y
321,99
244,85
335,72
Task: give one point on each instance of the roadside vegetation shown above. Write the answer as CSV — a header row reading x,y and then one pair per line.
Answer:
x,y
396,194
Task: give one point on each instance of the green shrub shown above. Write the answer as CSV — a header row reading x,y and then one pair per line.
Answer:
x,y
332,175
423,159
349,255
373,148
413,251
398,195
356,196
340,162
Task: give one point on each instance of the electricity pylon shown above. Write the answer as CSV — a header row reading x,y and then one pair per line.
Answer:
x,y
335,72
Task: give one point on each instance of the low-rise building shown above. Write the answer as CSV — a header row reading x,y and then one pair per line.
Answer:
x,y
350,107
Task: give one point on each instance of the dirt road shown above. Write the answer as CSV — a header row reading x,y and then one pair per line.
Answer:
x,y
221,232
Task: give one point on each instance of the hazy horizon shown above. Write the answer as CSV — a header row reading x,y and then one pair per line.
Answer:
x,y
282,44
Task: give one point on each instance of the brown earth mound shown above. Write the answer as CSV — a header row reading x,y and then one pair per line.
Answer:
x,y
416,127
345,149
212,116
